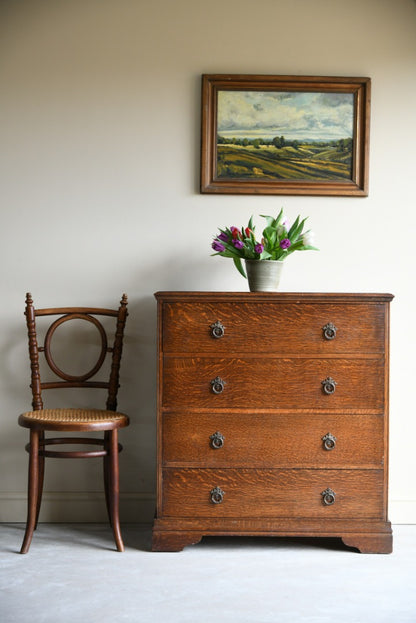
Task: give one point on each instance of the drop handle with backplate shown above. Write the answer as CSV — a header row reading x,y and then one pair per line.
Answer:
x,y
329,441
328,385
217,440
217,329
217,495
217,385
330,331
328,497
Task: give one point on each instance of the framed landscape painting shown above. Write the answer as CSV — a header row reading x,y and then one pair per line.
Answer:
x,y
285,135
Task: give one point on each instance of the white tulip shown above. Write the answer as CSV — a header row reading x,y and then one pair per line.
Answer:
x,y
308,238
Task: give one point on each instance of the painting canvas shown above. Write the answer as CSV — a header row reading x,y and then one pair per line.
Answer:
x,y
285,135
281,135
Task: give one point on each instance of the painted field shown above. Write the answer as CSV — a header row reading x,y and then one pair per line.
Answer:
x,y
303,162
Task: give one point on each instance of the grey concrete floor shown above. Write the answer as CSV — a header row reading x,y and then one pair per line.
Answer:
x,y
73,574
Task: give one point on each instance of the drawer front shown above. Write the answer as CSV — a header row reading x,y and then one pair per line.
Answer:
x,y
273,327
272,493
272,440
256,383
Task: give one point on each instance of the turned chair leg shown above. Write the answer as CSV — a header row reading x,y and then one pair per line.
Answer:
x,y
106,470
41,473
113,489
33,491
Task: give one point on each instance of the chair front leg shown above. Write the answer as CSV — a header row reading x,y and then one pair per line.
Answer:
x,y
41,473
33,489
106,469
113,493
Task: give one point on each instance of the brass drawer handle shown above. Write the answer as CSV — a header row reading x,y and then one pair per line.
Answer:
x,y
329,441
217,495
217,440
217,385
328,385
330,331
217,329
328,497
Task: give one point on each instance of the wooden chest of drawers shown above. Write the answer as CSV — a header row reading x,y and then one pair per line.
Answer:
x,y
272,417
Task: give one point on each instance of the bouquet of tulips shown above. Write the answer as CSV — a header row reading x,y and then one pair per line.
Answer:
x,y
278,240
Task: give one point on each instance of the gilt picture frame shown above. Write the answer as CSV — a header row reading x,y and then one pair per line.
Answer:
x,y
285,135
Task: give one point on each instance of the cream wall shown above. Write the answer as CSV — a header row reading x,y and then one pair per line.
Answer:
x,y
100,118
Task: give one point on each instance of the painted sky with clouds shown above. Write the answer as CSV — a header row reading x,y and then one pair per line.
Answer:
x,y
264,114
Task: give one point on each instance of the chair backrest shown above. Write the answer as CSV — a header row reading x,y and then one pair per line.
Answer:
x,y
89,314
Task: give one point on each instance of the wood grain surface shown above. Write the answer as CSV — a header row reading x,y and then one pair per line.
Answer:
x,y
273,493
273,383
272,440
281,329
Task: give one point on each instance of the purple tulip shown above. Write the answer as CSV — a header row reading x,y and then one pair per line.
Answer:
x,y
285,243
223,236
218,246
238,244
259,248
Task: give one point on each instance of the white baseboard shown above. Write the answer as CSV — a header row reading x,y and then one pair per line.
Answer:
x,y
402,511
81,506
77,506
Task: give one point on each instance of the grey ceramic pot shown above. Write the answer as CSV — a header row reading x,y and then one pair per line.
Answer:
x,y
263,275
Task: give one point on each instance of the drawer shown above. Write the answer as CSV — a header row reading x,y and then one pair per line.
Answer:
x,y
273,327
272,493
259,383
272,440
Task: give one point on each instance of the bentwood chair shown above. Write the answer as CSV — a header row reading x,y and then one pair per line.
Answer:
x,y
78,420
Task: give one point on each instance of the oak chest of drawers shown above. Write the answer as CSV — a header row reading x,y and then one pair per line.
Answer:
x,y
272,417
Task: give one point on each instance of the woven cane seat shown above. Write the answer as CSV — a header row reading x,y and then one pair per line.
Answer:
x,y
78,416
